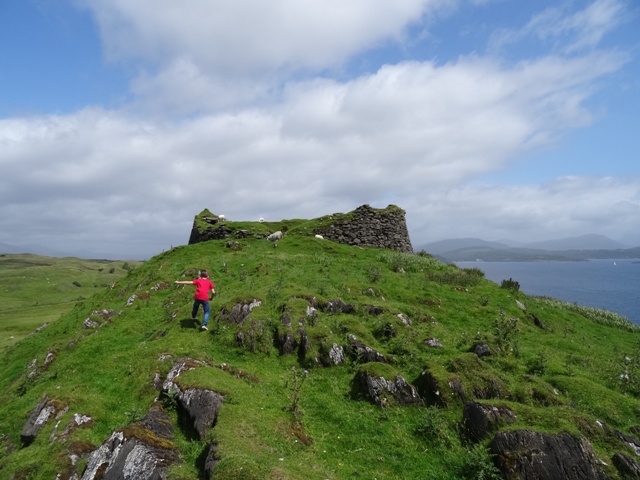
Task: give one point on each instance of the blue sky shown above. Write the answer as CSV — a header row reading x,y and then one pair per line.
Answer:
x,y
499,119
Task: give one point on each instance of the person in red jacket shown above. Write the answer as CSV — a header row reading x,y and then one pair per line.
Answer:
x,y
205,290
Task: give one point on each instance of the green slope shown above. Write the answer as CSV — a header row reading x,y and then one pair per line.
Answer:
x,y
35,289
278,422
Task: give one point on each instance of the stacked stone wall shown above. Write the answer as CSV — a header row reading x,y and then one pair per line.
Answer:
x,y
371,227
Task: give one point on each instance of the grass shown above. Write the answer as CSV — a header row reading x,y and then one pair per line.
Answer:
x,y
35,290
275,424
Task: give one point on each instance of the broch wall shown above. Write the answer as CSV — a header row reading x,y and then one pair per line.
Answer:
x,y
365,226
371,227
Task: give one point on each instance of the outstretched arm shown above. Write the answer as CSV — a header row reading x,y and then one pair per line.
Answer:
x,y
185,282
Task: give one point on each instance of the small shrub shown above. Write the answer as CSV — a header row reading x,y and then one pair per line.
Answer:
x,y
433,428
374,274
460,278
505,331
511,285
478,465
294,385
538,364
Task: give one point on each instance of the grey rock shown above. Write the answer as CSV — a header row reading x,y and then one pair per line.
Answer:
x,y
481,349
433,343
527,455
627,466
386,392
202,407
362,353
479,420
141,451
45,410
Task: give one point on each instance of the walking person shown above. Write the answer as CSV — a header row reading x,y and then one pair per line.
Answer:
x,y
205,290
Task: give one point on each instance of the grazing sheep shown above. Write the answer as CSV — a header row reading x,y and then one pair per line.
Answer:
x,y
275,236
320,237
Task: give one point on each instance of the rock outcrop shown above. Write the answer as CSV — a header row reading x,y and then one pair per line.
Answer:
x,y
141,451
47,409
527,455
385,392
479,420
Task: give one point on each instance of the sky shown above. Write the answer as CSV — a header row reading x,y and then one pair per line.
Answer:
x,y
120,120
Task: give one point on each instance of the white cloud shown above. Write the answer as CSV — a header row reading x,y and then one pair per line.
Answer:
x,y
248,36
560,208
220,54
570,32
253,133
402,133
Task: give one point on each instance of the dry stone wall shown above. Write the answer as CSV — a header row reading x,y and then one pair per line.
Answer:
x,y
371,227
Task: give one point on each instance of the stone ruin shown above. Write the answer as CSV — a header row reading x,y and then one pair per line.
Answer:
x,y
365,226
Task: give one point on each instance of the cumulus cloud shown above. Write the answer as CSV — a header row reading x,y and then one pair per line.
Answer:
x,y
555,209
245,121
246,36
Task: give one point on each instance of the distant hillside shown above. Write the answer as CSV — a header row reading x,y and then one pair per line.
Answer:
x,y
568,249
584,242
323,360
443,246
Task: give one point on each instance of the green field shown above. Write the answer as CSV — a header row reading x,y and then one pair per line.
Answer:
x,y
35,290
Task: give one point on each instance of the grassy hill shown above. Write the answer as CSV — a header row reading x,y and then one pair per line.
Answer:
x,y
35,290
292,416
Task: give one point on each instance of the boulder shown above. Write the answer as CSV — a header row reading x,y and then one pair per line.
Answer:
x,y
338,306
527,455
479,420
141,451
362,353
629,440
46,409
331,355
169,387
430,389
385,392
481,349
201,407
211,460
239,311
626,465
433,343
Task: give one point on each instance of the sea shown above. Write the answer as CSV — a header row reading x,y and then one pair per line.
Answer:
x,y
612,285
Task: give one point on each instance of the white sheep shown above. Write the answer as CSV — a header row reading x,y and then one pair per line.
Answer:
x,y
220,217
261,220
320,237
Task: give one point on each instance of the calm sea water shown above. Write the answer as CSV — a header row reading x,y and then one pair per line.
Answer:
x,y
612,285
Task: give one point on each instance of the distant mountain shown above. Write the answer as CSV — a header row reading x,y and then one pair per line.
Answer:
x,y
583,242
568,249
443,246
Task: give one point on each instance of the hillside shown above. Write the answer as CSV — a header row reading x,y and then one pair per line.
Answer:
x,y
35,290
323,361
580,248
